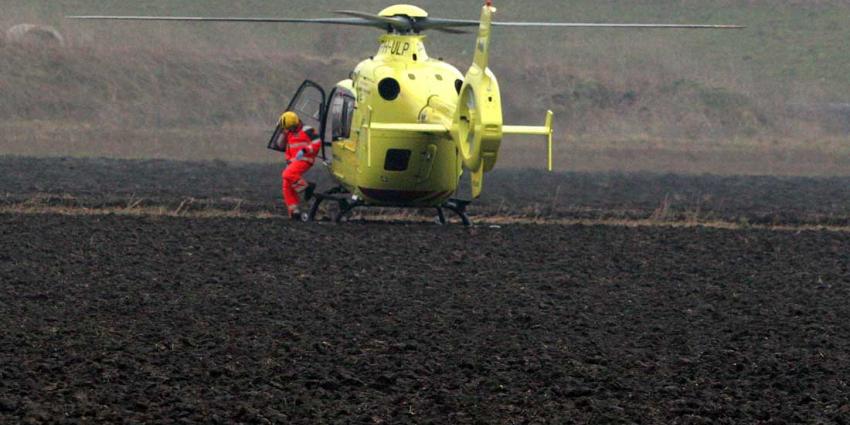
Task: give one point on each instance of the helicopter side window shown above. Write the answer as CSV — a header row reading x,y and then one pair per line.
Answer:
x,y
347,115
342,113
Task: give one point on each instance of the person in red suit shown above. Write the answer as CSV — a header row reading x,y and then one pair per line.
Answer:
x,y
302,145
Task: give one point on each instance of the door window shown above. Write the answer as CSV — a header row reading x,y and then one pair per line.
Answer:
x,y
308,103
341,115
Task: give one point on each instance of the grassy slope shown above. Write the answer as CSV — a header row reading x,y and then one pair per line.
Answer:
x,y
787,42
652,89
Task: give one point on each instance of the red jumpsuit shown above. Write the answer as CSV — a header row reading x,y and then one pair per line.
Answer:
x,y
306,140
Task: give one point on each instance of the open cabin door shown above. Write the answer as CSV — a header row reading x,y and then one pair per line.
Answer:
x,y
339,115
309,104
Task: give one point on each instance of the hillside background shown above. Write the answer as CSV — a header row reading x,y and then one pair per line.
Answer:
x,y
771,99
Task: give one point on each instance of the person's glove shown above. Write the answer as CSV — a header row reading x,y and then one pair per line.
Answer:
x,y
300,155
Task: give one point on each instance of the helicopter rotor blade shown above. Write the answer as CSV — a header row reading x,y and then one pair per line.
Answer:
x,y
611,25
445,25
333,21
430,23
450,30
399,23
405,24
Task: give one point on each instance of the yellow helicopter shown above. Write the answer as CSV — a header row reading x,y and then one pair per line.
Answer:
x,y
405,127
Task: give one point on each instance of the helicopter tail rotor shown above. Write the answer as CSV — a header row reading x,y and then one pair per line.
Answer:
x,y
478,124
478,117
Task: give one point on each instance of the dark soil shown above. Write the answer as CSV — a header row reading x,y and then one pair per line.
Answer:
x,y
116,319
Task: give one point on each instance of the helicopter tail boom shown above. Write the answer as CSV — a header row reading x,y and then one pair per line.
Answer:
x,y
409,128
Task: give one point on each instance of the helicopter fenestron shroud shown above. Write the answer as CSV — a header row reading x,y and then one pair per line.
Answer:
x,y
473,119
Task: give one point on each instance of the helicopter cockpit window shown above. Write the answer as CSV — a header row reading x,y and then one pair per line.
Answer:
x,y
341,115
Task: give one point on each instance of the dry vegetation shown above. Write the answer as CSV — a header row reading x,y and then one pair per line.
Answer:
x,y
35,206
629,103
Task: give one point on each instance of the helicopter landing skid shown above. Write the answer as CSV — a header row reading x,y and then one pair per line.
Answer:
x,y
347,203
340,196
456,206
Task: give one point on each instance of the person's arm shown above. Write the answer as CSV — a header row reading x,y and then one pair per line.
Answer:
x,y
315,145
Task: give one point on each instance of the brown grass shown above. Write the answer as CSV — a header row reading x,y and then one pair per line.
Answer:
x,y
184,211
167,102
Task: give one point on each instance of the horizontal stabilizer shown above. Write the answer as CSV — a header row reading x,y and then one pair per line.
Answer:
x,y
545,130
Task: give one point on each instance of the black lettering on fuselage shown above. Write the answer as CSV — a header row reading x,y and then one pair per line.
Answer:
x,y
399,49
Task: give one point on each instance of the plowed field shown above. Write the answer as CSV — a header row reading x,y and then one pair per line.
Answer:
x,y
121,302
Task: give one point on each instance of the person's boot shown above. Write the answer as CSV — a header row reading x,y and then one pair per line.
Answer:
x,y
295,214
